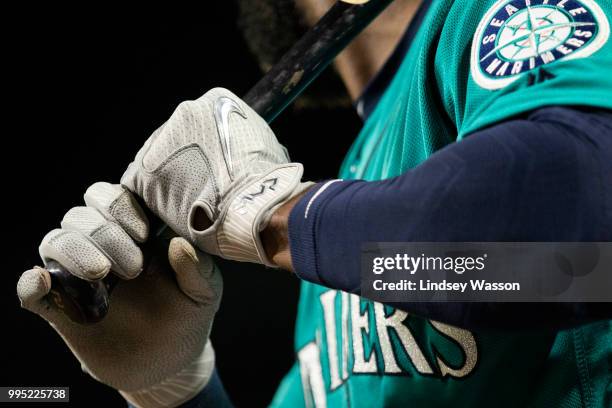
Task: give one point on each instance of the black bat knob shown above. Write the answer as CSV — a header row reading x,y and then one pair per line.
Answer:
x,y
82,301
87,302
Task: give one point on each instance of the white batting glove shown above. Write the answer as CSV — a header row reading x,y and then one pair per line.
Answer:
x,y
216,159
153,344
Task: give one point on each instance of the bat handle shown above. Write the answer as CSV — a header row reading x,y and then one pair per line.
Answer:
x,y
87,302
84,302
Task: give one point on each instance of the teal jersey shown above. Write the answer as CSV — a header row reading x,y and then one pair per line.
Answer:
x,y
470,65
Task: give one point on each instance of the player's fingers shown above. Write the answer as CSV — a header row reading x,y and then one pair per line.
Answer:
x,y
110,239
75,253
32,287
196,273
117,204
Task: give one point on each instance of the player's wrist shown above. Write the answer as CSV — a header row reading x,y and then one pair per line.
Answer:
x,y
275,236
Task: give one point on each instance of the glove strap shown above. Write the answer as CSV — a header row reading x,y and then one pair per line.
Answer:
x,y
246,211
178,389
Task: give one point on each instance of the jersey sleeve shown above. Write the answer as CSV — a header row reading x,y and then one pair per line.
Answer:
x,y
498,59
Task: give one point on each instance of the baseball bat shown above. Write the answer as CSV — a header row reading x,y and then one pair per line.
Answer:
x,y
87,302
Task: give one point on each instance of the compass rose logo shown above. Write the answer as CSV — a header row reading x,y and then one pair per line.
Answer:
x,y
517,36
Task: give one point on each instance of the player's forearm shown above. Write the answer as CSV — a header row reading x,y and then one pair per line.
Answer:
x,y
540,179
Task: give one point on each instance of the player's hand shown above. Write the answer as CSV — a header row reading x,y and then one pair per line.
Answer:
x,y
153,345
214,172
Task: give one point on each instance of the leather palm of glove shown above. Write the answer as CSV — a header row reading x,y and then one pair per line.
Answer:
x,y
153,344
216,160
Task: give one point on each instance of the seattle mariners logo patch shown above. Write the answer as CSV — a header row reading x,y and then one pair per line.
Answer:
x,y
517,36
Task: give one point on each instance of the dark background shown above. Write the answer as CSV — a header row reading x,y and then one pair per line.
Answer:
x,y
85,89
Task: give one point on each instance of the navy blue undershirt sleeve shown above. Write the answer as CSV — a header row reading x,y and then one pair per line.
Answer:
x,y
544,177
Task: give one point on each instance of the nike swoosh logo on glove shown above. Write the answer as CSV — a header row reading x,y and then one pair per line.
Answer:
x,y
224,107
